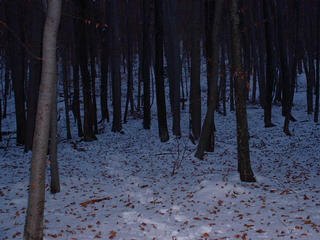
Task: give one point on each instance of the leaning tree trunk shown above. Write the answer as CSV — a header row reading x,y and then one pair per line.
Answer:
x,y
34,220
244,166
208,125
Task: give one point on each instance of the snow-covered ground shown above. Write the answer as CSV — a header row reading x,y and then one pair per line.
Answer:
x,y
121,187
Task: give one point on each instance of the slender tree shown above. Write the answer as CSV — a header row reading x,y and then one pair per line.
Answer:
x,y
159,75
34,219
244,165
16,56
208,125
146,64
82,55
36,18
115,67
316,104
195,91
53,148
269,69
173,61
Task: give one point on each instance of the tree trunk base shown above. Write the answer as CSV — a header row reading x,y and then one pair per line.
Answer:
x,y
247,177
269,125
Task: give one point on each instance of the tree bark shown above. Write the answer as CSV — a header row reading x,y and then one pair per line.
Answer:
x,y
195,90
173,61
82,55
115,67
146,65
208,125
14,12
34,220
160,90
316,104
66,77
53,148
244,165
269,69
35,39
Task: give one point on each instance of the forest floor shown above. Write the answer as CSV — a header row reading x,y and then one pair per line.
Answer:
x,y
121,186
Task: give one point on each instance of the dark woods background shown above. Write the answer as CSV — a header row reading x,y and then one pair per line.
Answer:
x,y
118,57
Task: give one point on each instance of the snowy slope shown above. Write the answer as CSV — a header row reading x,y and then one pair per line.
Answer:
x,y
121,187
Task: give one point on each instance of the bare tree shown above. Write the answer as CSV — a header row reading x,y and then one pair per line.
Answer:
x,y
244,165
208,125
34,219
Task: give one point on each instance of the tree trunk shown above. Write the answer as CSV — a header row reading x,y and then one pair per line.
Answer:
x,y
269,55
14,11
160,91
6,87
146,65
223,82
244,165
53,148
129,100
104,82
173,61
208,125
36,20
66,77
115,67
34,220
83,61
76,98
195,90
316,104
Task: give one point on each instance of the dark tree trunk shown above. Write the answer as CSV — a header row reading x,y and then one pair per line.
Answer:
x,y
223,81
129,100
244,165
254,83
292,80
160,91
83,62
146,65
269,55
66,80
174,62
316,104
115,67
104,81
208,125
310,80
76,98
14,12
36,20
93,87
6,87
0,120
53,148
195,90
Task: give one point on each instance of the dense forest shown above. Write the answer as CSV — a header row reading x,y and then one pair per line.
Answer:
x,y
91,62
